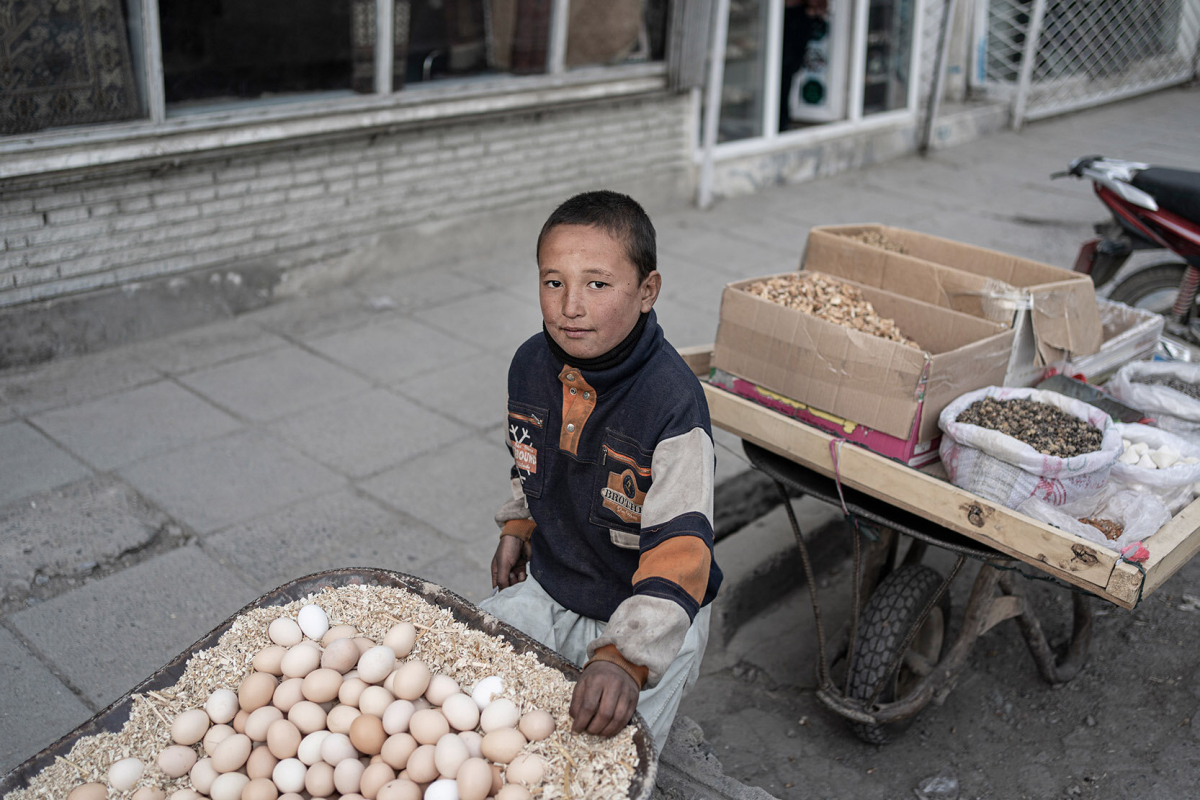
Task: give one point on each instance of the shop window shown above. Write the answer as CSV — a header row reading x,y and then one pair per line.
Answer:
x,y
889,55
66,63
615,31
742,95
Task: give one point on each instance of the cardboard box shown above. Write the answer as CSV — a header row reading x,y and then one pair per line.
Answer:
x,y
853,377
1053,310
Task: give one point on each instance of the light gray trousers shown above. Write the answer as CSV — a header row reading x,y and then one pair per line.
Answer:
x,y
528,608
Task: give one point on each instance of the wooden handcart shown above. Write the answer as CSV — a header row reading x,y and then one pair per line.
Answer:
x,y
896,651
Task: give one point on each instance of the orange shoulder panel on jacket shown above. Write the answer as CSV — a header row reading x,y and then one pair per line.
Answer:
x,y
683,560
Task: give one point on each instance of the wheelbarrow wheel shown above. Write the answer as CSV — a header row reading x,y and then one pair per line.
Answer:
x,y
886,620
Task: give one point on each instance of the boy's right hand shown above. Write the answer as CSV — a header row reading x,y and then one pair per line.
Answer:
x,y
508,565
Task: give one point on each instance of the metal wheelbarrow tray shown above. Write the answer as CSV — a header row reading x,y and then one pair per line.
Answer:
x,y
112,718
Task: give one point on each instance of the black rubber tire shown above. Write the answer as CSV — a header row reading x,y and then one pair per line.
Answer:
x,y
886,619
1139,286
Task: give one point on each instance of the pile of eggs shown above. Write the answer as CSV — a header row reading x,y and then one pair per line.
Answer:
x,y
328,713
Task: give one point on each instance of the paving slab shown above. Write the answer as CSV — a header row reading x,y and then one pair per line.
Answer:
x,y
513,269
120,428
496,321
207,346
70,530
214,484
341,529
413,291
73,380
463,569
391,349
321,314
367,433
30,463
472,391
684,326
111,634
457,489
278,382
711,247
35,707
7,412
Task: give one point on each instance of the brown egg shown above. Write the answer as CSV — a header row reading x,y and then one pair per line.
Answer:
x,y
291,796
88,791
336,632
421,765
399,789
300,660
374,778
367,734
500,713
374,700
232,753
449,754
497,778
536,725
307,716
319,780
261,763
513,791
411,680
288,693
256,690
321,685
474,779
215,735
190,726
347,775
340,655
176,760
351,690
427,726
202,775
269,659
502,745
149,793
186,794
340,718
260,721
260,789
228,786
283,739
527,769
397,749
401,637
440,687
474,743
363,644
461,712
239,721
284,631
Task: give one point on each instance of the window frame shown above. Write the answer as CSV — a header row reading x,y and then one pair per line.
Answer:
x,y
159,135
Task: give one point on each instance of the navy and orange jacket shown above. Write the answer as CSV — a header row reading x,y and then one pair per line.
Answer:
x,y
613,486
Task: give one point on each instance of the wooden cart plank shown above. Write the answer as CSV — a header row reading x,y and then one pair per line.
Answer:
x,y
1062,555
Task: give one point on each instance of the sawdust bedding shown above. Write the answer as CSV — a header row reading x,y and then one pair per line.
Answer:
x,y
577,766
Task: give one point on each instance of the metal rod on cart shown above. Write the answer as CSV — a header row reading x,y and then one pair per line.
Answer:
x,y
810,577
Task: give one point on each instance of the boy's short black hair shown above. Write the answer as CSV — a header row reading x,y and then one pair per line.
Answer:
x,y
619,215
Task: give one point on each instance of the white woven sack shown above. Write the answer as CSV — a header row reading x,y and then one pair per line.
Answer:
x,y
1005,470
1173,485
1140,514
1173,410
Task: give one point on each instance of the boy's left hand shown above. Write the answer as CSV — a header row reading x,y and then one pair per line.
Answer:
x,y
604,700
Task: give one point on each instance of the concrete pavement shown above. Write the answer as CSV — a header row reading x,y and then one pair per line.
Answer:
x,y
148,492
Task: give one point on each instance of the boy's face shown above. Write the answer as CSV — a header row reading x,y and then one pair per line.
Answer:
x,y
589,290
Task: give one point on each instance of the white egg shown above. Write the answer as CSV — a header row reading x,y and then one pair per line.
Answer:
x,y
474,743
313,622
222,706
123,774
337,748
397,715
461,712
228,786
289,775
486,690
442,790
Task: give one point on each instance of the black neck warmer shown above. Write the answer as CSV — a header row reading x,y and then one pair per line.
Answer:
x,y
601,362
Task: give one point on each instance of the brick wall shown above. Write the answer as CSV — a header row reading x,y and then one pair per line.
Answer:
x,y
298,204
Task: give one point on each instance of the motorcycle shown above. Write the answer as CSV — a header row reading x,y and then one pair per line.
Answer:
x,y
1153,208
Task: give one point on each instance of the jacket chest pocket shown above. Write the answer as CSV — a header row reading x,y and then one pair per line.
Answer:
x,y
622,480
526,440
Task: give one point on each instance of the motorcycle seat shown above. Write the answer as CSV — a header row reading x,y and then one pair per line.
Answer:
x,y
1176,190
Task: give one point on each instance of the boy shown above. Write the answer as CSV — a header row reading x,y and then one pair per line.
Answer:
x,y
612,479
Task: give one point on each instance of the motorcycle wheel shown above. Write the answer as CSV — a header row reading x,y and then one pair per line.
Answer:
x,y
1153,288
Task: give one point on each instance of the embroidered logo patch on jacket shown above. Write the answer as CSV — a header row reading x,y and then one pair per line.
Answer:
x,y
524,453
622,496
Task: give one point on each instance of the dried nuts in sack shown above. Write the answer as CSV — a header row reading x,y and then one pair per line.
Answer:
x,y
1043,427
